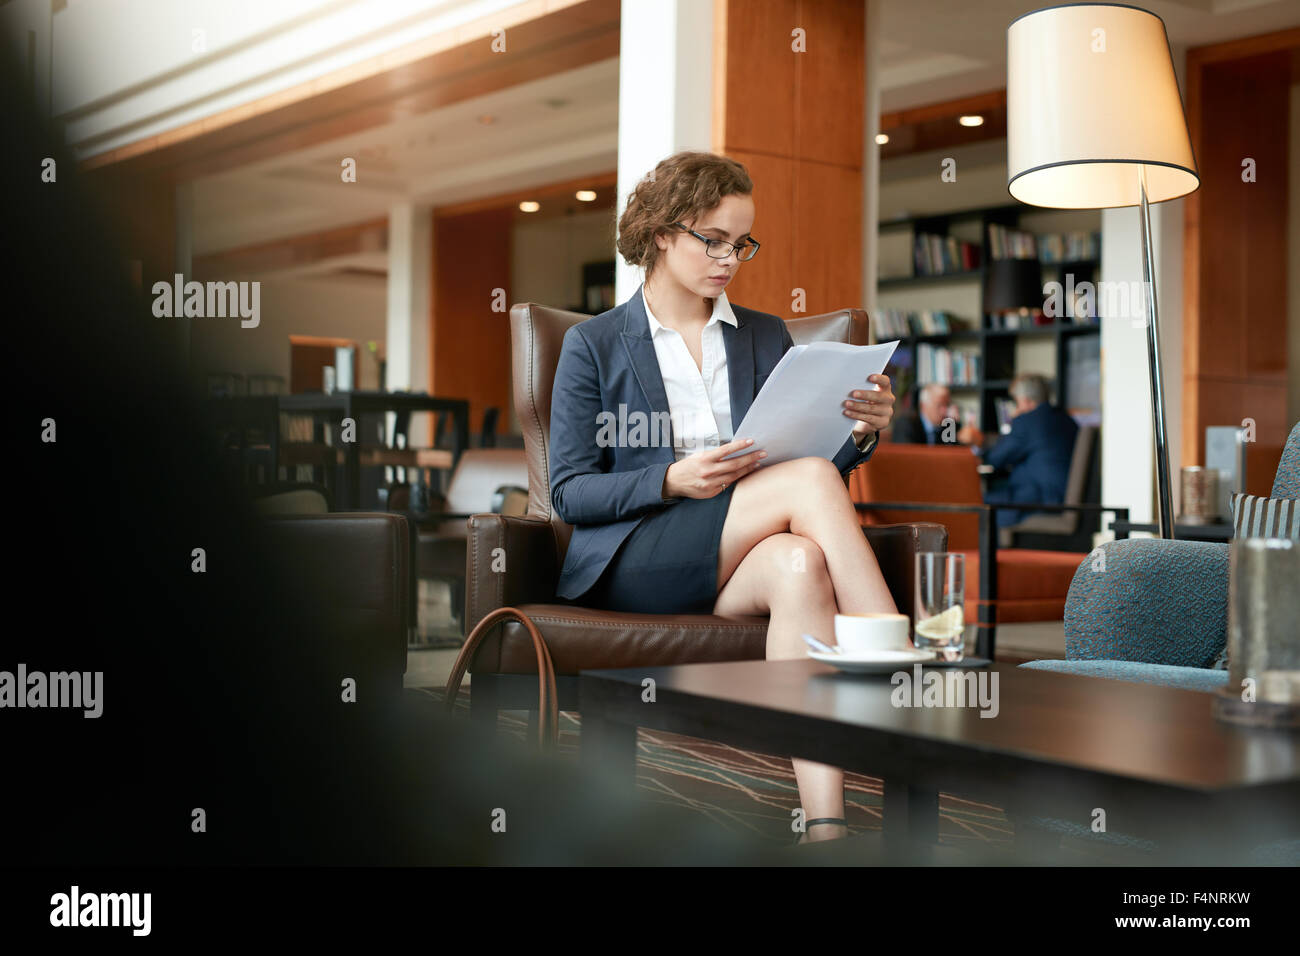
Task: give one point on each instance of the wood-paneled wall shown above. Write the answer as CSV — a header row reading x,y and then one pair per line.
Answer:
x,y
470,343
795,120
1235,242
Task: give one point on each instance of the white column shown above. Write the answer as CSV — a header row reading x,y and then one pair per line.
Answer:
x,y
1127,432
665,95
410,278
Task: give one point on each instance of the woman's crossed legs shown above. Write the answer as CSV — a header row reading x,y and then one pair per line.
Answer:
x,y
792,548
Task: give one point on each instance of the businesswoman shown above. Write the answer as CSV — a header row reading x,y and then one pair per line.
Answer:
x,y
645,401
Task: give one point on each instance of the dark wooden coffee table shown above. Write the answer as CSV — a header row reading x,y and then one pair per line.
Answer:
x,y
1153,758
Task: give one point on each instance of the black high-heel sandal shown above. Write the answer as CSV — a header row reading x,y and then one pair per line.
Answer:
x,y
813,823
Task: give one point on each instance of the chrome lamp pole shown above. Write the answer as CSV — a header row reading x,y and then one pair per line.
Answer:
x,y
1153,364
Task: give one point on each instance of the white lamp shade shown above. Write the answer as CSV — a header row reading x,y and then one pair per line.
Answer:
x,y
1092,103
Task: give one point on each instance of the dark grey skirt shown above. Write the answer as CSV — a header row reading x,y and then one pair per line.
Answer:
x,y
668,564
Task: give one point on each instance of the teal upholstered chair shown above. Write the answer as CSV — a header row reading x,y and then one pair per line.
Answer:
x,y
1158,614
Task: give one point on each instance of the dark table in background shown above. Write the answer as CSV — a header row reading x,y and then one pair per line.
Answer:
x,y
1154,758
244,413
335,407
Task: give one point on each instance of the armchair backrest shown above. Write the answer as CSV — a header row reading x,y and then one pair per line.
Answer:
x,y
1076,483
905,472
1286,483
536,336
351,576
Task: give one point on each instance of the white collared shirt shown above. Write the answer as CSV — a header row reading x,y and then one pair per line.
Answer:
x,y
699,399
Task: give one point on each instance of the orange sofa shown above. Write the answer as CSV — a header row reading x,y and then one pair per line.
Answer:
x,y
1031,585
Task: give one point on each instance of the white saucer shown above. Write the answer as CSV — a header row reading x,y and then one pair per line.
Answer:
x,y
876,662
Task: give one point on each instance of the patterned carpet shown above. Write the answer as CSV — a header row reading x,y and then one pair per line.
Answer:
x,y
752,793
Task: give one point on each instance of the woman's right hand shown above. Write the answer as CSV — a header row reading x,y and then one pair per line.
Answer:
x,y
703,474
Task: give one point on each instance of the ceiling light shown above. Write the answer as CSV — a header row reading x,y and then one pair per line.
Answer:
x,y
882,139
971,121
529,205
586,195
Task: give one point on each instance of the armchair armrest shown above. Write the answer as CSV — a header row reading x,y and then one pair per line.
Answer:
x,y
527,559
1150,600
894,546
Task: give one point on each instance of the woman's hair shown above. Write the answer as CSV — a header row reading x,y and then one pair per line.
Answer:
x,y
681,187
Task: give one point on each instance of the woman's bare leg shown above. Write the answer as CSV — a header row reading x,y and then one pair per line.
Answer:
x,y
784,575
791,531
806,497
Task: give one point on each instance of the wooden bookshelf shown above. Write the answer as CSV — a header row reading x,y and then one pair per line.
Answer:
x,y
996,348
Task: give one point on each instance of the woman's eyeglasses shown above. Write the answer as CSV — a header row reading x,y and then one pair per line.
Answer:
x,y
720,248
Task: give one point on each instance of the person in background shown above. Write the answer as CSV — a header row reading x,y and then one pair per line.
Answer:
x,y
926,426
1037,451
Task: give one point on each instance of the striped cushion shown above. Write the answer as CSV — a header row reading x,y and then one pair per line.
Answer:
x,y
1256,517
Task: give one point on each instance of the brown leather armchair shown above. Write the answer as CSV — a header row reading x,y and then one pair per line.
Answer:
x,y
349,574
531,553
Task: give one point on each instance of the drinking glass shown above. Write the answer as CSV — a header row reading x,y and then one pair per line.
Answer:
x,y
938,610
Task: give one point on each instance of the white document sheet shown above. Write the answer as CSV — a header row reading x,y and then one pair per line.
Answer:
x,y
799,413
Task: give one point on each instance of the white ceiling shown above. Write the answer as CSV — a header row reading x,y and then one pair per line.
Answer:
x,y
566,126
561,127
936,50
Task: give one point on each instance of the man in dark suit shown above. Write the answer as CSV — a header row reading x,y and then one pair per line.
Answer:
x,y
933,423
1037,451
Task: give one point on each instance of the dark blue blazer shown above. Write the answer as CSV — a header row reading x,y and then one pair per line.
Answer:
x,y
604,489
1037,451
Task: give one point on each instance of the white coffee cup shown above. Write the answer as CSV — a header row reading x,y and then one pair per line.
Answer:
x,y
864,634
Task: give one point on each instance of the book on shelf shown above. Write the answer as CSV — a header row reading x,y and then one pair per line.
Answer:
x,y
1048,248
934,255
944,366
1056,248
1008,243
900,323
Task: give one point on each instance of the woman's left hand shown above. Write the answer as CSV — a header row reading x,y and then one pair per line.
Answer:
x,y
872,409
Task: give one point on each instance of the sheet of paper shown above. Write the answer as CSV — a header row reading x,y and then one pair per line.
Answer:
x,y
800,411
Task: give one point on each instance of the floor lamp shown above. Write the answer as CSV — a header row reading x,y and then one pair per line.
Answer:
x,y
1095,121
